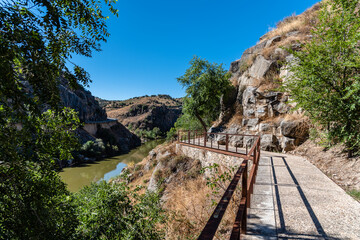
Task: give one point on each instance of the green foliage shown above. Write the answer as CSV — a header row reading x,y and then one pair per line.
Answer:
x,y
355,194
113,211
34,202
185,121
205,83
326,80
93,149
37,40
171,135
154,133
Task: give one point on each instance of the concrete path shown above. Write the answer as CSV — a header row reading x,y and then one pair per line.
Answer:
x,y
294,200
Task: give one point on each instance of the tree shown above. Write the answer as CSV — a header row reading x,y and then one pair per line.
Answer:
x,y
37,40
326,80
205,83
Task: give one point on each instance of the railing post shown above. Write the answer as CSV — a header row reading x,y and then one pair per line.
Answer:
x,y
246,148
227,142
189,136
205,137
245,194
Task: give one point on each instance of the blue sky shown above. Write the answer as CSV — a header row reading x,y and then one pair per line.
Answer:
x,y
152,42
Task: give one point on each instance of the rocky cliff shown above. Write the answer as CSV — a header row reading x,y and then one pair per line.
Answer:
x,y
256,107
145,112
94,117
83,102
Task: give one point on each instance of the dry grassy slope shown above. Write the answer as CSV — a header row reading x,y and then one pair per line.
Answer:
x,y
186,197
144,112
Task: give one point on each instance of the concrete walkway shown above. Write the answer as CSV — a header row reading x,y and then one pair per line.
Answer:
x,y
294,200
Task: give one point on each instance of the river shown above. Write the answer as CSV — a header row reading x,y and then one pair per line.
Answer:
x,y
84,174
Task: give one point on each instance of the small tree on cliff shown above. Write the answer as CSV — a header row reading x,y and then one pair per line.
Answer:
x,y
205,83
326,80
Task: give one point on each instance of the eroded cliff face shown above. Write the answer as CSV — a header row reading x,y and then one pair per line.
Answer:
x,y
256,107
94,116
83,102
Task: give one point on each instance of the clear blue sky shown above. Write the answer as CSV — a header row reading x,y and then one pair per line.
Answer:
x,y
152,42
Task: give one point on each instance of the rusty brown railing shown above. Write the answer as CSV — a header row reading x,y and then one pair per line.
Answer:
x,y
215,142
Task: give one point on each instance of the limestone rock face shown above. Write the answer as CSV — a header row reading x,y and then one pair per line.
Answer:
x,y
258,107
83,102
90,112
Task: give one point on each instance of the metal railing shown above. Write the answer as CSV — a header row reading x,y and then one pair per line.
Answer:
x,y
211,142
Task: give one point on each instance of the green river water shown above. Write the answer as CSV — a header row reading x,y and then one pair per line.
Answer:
x,y
84,174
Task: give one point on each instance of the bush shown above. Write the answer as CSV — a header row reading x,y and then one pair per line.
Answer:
x,y
112,211
155,133
93,149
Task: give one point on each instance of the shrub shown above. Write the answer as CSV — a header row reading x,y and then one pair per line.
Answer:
x,y
112,211
93,149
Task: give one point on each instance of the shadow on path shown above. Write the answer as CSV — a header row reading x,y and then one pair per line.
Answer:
x,y
315,220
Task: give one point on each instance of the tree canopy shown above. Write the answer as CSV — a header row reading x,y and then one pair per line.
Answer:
x,y
205,83
37,40
326,79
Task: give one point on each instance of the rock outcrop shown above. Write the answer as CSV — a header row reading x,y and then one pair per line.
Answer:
x,y
257,107
83,102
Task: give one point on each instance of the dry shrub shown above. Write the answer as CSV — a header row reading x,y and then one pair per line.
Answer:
x,y
276,120
268,86
302,23
235,120
295,116
285,43
190,205
271,81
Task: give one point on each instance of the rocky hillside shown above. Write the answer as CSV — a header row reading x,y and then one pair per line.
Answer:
x,y
145,112
93,115
256,107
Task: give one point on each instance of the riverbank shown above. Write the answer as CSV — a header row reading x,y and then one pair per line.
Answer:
x,y
83,174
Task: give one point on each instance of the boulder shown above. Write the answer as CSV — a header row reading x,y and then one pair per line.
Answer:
x,y
265,127
153,183
285,72
249,96
247,80
249,141
269,142
287,144
252,122
260,67
261,112
237,141
273,40
293,33
281,107
249,112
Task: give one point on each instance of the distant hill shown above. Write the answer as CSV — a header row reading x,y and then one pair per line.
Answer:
x,y
144,113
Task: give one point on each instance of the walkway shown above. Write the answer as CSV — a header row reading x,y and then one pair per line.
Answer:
x,y
293,199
